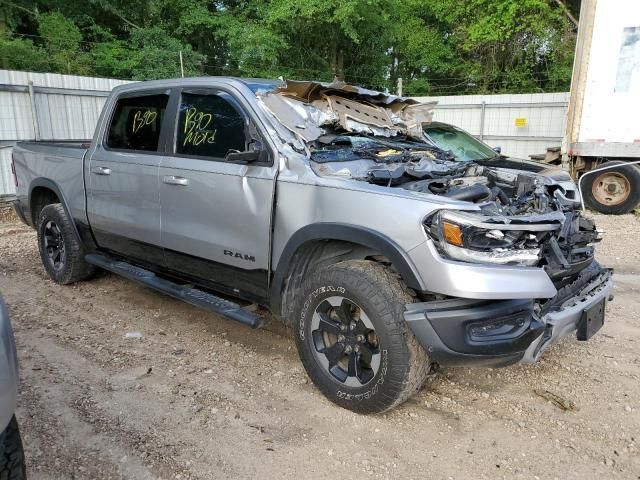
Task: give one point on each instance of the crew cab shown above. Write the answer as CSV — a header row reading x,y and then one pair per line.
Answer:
x,y
328,205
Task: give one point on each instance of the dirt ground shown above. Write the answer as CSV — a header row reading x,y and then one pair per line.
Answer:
x,y
201,397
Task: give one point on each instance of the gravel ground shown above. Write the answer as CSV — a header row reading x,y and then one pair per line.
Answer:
x,y
200,397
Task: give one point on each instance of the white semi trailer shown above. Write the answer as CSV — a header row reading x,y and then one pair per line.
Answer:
x,y
602,137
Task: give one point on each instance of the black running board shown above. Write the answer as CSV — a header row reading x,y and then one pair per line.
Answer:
x,y
188,294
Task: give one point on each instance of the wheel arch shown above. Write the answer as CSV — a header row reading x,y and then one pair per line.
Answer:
x,y
43,192
327,242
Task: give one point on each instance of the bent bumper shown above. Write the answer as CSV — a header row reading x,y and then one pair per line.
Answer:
x,y
471,332
565,320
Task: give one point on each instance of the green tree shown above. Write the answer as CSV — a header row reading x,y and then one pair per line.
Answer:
x,y
62,40
22,54
435,46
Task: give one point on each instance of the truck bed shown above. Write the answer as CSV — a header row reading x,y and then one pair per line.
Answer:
x,y
59,162
73,148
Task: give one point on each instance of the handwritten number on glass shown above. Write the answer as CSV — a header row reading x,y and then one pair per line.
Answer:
x,y
143,118
195,128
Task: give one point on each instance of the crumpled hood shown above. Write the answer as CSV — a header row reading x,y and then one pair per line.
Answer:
x,y
308,109
549,171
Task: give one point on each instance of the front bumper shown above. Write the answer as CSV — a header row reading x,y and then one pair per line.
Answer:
x,y
469,332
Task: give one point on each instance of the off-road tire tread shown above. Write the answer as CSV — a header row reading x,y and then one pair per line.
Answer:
x,y
384,288
12,465
76,268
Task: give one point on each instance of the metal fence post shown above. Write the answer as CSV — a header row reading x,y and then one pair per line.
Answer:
x,y
482,112
34,112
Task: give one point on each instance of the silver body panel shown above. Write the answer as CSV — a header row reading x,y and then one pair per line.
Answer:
x,y
224,207
125,201
459,279
59,164
398,214
8,369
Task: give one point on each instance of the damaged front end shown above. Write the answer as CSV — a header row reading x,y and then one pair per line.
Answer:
x,y
516,216
509,256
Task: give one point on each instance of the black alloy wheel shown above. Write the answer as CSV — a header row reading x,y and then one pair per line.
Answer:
x,y
54,245
345,341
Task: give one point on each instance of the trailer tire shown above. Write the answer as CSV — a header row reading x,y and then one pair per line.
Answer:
x,y
61,252
615,191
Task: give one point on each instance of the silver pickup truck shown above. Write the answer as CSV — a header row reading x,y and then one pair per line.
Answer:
x,y
12,466
390,244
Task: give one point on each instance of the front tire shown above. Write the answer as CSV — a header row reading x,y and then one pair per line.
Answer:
x,y
352,337
12,465
60,250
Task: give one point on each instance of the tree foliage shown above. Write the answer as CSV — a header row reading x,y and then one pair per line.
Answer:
x,y
435,46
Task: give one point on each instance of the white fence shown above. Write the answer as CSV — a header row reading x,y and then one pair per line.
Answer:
x,y
522,124
44,106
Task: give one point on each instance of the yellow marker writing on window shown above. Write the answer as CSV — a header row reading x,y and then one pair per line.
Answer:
x,y
195,128
142,118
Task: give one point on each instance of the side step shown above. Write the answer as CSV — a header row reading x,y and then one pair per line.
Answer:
x,y
190,295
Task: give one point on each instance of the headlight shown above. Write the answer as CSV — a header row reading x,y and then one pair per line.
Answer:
x,y
466,237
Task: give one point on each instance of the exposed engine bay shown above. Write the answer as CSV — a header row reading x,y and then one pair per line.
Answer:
x,y
521,215
422,168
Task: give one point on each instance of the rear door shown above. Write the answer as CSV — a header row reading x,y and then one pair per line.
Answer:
x,y
216,214
123,204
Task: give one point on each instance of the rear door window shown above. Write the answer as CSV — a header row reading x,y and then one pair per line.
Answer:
x,y
136,123
210,125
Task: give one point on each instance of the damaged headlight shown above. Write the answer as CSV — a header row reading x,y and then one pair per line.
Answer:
x,y
465,237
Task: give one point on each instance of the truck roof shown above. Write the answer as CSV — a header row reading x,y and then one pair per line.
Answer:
x,y
254,84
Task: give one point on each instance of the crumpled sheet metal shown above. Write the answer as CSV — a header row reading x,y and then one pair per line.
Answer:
x,y
360,112
307,91
305,107
293,115
414,116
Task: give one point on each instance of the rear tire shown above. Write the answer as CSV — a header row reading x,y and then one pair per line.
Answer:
x,y
12,465
352,337
614,191
61,252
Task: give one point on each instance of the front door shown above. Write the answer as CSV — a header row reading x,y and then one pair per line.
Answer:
x,y
123,204
216,214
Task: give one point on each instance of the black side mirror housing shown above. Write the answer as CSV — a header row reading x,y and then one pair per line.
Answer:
x,y
498,150
244,157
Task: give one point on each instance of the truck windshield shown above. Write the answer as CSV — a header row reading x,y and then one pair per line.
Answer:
x,y
463,146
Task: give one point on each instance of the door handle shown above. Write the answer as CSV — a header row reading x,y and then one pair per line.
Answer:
x,y
101,170
173,180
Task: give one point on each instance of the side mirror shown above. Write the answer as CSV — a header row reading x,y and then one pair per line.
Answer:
x,y
244,157
498,150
